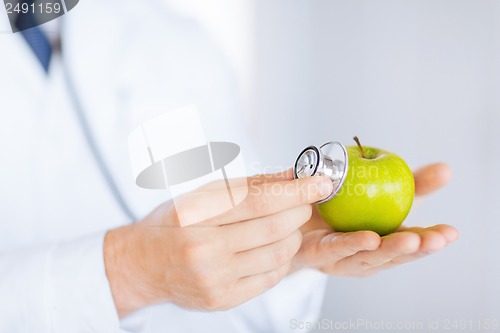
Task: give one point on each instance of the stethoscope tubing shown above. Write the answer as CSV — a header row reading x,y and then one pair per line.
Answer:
x,y
89,135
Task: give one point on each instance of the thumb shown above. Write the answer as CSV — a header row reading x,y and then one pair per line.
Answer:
x,y
431,178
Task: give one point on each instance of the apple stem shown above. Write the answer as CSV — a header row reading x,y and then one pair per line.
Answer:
x,y
360,146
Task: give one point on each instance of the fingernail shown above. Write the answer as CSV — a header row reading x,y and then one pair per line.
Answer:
x,y
325,187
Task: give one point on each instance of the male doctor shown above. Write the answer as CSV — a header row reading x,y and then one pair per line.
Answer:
x,y
80,246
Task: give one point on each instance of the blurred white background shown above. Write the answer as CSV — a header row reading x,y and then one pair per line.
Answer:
x,y
420,78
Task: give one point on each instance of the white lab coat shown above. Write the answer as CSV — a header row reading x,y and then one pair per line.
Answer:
x,y
130,60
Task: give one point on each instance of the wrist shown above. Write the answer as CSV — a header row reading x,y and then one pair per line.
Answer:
x,y
122,256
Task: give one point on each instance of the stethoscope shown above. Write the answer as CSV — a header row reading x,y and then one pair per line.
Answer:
x,y
89,136
330,159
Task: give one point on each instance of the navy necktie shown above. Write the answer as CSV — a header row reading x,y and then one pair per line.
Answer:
x,y
27,24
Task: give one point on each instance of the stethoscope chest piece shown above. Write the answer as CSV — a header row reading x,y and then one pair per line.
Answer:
x,y
329,160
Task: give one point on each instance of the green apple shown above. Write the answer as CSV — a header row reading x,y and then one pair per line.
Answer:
x,y
377,193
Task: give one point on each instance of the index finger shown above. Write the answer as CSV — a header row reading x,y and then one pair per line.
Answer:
x,y
269,178
249,181
259,201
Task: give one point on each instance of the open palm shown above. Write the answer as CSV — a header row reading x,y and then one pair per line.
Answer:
x,y
364,253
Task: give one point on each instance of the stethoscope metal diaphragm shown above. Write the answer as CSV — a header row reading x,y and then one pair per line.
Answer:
x,y
329,160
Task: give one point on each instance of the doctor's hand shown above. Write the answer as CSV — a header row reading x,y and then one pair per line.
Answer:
x,y
220,262
364,253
